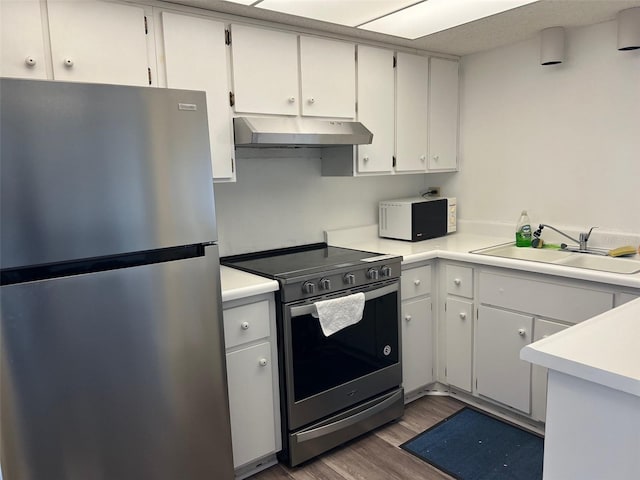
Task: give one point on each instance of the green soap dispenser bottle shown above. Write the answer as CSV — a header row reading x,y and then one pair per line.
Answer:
x,y
523,230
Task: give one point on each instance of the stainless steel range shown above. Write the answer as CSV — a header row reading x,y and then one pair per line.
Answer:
x,y
333,388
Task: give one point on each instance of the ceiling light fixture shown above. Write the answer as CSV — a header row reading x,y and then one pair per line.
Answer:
x,y
433,16
552,46
629,29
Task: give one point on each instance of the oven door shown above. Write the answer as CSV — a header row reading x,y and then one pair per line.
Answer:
x,y
327,374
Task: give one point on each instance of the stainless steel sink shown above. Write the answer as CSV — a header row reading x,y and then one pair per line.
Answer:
x,y
627,265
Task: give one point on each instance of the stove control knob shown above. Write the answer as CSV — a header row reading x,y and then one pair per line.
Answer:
x,y
325,284
373,274
350,279
385,271
309,287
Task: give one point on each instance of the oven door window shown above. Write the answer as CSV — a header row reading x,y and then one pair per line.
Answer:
x,y
321,363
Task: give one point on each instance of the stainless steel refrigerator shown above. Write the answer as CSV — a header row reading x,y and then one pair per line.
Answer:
x,y
112,363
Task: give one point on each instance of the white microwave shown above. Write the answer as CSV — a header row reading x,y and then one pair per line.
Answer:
x,y
417,218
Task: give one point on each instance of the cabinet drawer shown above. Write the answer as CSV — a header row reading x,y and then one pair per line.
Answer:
x,y
562,302
459,281
246,323
415,282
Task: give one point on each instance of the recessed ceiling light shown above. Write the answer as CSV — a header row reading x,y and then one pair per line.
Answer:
x,y
433,16
343,12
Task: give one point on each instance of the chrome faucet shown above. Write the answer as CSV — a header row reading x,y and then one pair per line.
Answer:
x,y
582,241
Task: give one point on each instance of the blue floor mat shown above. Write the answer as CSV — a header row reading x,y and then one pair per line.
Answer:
x,y
470,445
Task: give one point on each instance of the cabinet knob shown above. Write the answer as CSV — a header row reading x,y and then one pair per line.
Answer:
x,y
244,325
292,99
365,158
417,282
423,158
457,281
522,332
312,100
463,315
263,362
407,318
436,158
68,62
30,61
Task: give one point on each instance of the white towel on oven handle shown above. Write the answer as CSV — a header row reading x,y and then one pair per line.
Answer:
x,y
339,313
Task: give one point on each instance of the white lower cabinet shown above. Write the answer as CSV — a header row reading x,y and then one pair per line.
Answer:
x,y
542,329
417,330
250,385
252,375
459,343
500,374
417,344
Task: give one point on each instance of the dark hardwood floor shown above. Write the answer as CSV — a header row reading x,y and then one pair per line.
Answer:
x,y
377,456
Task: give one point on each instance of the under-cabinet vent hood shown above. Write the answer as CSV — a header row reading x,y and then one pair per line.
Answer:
x,y
298,132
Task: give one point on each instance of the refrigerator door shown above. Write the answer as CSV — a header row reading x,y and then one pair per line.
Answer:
x,y
116,375
91,170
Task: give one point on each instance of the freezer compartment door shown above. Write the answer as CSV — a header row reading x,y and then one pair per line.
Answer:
x,y
116,375
91,170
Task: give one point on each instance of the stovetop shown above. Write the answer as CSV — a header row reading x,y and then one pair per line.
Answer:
x,y
295,261
317,269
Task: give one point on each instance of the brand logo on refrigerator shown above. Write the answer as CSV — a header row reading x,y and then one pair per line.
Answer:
x,y
191,107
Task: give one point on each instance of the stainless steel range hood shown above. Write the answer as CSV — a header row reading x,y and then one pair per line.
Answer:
x,y
298,132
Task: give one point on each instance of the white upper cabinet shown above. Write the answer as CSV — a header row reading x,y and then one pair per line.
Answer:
x,y
101,42
265,70
328,78
412,77
195,58
376,108
22,43
443,114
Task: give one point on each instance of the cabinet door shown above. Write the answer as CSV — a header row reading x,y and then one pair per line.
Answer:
x,y
327,78
417,344
98,42
412,73
196,59
376,108
543,329
458,344
251,403
265,70
22,51
443,114
500,374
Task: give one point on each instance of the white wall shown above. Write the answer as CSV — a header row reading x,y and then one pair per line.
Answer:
x,y
561,141
280,202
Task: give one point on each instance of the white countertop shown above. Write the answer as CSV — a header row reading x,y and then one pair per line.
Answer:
x,y
238,284
457,246
604,350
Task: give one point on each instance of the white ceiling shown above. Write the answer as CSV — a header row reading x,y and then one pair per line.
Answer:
x,y
484,34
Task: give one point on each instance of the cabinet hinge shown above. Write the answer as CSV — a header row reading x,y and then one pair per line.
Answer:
x,y
146,26
232,99
395,62
227,36
445,371
149,74
477,313
476,383
393,162
445,306
233,167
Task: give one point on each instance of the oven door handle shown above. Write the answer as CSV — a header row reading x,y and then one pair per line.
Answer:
x,y
323,430
379,292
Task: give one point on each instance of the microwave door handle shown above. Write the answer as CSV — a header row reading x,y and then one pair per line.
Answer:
x,y
379,292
